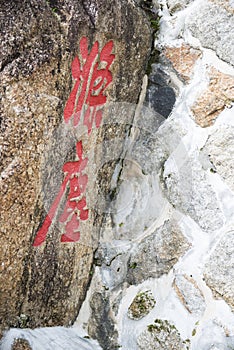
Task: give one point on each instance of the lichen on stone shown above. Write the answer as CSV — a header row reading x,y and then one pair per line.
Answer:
x,y
21,344
162,335
141,305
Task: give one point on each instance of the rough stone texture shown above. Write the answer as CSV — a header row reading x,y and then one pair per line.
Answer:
x,y
156,254
21,344
161,335
38,44
188,189
169,171
210,22
226,4
183,59
220,148
101,323
113,261
219,94
141,305
190,295
219,269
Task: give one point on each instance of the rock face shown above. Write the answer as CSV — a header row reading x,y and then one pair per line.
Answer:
x,y
102,325
47,283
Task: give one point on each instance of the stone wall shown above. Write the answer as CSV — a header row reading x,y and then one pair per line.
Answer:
x,y
164,267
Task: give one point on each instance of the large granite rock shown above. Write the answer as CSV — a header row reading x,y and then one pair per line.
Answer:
x,y
39,40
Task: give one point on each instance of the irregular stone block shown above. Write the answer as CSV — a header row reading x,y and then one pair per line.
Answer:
x,y
156,254
161,335
210,22
219,94
188,189
113,261
213,336
190,295
220,148
219,269
160,94
183,59
226,4
21,344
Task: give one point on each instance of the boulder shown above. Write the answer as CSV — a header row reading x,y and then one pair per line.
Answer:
x,y
46,258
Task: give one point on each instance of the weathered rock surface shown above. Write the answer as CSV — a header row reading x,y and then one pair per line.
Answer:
x,y
209,22
160,93
189,190
38,43
190,295
219,269
161,335
220,148
183,59
113,258
156,254
218,95
101,323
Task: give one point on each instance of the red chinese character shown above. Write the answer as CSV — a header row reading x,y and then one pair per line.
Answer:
x,y
92,76
75,207
91,71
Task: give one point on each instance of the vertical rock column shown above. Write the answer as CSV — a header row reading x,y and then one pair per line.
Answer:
x,y
45,270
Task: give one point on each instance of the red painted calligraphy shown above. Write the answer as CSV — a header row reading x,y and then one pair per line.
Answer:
x,y
75,207
92,75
